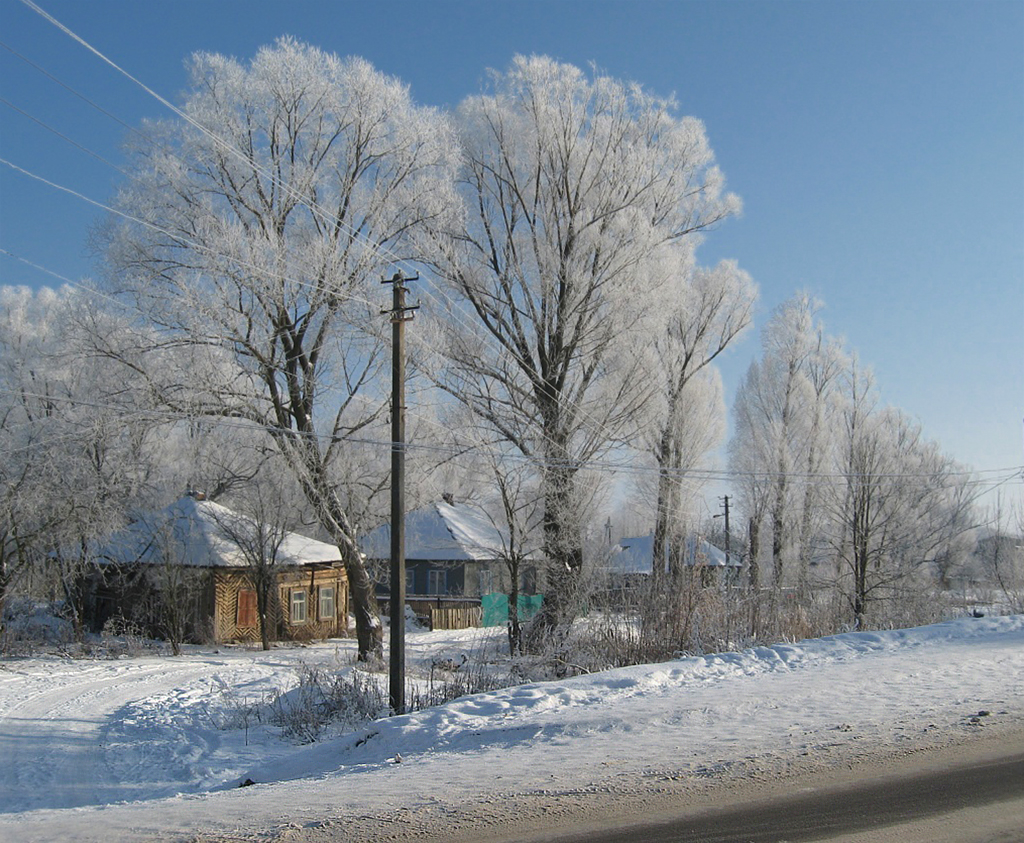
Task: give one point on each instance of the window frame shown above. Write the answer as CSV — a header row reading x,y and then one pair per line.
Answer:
x,y
435,576
322,592
298,597
486,581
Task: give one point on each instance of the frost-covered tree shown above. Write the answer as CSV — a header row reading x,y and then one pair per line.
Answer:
x,y
257,527
76,443
902,502
256,230
707,311
999,552
26,407
771,413
574,184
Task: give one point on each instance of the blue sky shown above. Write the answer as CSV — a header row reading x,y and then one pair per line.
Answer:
x,y
878,148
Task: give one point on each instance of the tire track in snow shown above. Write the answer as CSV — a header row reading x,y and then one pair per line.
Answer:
x,y
52,741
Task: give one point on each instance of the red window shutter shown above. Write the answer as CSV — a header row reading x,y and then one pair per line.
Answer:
x,y
246,608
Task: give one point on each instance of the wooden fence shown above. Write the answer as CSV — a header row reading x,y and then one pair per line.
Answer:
x,y
455,617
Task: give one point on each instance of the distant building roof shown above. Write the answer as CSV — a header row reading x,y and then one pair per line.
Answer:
x,y
441,532
198,532
635,555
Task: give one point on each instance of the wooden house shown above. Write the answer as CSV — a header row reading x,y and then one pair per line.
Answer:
x,y
189,561
454,555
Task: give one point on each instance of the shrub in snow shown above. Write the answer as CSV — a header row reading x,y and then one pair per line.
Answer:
x,y
324,698
413,622
28,623
123,637
451,678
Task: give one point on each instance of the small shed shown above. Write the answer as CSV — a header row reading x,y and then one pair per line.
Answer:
x,y
187,558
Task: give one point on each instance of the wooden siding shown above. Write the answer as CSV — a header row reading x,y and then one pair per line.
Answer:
x,y
311,582
131,592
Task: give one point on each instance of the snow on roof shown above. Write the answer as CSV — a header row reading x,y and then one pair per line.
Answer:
x,y
199,534
634,555
441,532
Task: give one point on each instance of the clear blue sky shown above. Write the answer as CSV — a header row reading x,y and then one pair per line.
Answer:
x,y
878,148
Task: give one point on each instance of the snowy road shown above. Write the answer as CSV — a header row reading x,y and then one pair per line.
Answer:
x,y
77,733
152,748
57,725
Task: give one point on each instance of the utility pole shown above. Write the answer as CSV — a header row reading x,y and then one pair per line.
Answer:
x,y
400,314
725,502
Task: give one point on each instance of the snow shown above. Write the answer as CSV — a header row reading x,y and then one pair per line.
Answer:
x,y
155,747
200,533
634,555
441,532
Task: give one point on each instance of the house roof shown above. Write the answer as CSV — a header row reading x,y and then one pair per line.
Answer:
x,y
441,532
634,555
199,532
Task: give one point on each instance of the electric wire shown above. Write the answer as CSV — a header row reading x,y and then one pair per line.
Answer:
x,y
969,478
378,249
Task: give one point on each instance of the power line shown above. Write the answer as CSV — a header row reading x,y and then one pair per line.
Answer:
x,y
62,136
81,96
377,248
1006,475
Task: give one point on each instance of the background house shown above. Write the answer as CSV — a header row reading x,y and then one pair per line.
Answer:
x,y
185,561
631,561
454,555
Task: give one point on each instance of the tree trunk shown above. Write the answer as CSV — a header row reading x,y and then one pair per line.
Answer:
x,y
515,630
809,496
369,632
263,609
563,547
331,514
754,571
662,520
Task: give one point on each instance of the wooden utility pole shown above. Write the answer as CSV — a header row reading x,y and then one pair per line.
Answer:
x,y
725,502
400,314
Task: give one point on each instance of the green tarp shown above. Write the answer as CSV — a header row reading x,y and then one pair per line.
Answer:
x,y
495,608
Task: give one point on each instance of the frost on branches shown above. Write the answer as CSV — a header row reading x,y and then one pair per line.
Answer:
x,y
257,227
577,188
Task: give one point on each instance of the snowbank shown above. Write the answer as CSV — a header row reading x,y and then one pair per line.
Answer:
x,y
156,748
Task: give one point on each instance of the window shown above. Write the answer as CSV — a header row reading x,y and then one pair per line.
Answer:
x,y
298,606
245,613
437,582
486,582
410,580
528,581
327,603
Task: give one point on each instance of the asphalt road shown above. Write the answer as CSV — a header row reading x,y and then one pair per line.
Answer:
x,y
822,814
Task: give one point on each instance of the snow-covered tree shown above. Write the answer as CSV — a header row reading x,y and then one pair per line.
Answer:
x,y
824,368
258,526
708,310
902,502
574,184
771,412
76,455
257,229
